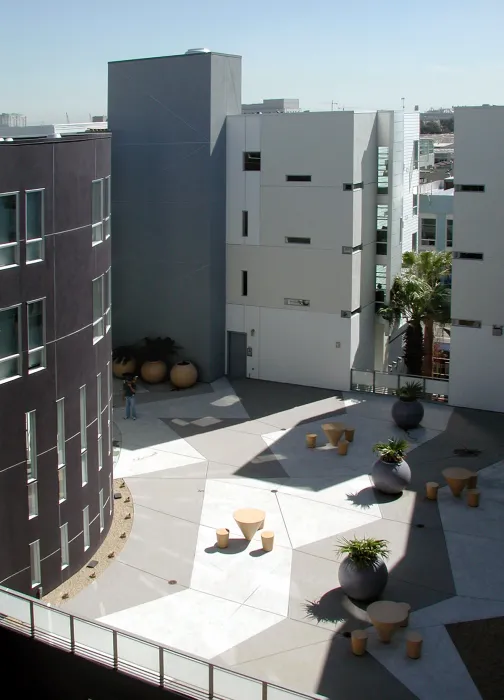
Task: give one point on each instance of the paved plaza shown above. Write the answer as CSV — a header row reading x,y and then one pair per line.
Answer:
x,y
194,457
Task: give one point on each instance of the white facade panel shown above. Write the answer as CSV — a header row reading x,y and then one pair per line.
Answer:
x,y
411,179
235,318
253,329
235,178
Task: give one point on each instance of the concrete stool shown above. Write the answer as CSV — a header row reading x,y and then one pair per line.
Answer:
x,y
343,447
311,440
267,539
386,616
249,520
473,497
431,489
333,432
456,478
407,609
222,538
414,642
359,642
349,434
472,481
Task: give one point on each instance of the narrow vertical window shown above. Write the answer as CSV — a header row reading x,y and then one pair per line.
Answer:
x,y
101,510
31,446
244,224
111,490
108,300
99,419
98,309
36,335
107,206
83,432
65,555
109,407
97,210
10,343
85,525
415,155
449,233
34,204
62,484
9,229
32,500
36,576
244,283
60,412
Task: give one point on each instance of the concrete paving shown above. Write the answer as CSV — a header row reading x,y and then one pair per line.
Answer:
x,y
191,459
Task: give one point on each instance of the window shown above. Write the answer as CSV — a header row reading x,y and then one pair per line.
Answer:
x,y
9,229
414,241
109,408
85,525
468,256
97,210
10,356
34,200
108,300
83,432
36,334
381,229
60,412
415,204
469,188
244,283
111,493
298,178
297,239
97,309
466,323
415,155
32,500
107,206
350,187
65,555
428,232
244,224
35,563
101,510
383,176
31,446
449,233
99,419
62,484
252,160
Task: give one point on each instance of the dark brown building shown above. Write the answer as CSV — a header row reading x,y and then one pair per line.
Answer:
x,y
55,357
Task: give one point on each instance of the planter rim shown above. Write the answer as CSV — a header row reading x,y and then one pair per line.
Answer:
x,y
380,459
408,399
377,560
183,362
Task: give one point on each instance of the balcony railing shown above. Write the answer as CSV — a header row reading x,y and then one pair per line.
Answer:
x,y
167,668
434,389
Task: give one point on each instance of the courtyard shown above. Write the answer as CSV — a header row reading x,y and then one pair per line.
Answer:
x,y
194,457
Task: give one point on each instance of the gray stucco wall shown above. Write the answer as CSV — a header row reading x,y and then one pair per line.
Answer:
x,y
168,200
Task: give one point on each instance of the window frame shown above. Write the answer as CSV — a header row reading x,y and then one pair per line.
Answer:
x,y
99,419
83,433
60,432
99,323
449,238
107,312
107,215
19,354
35,568
41,239
15,244
65,550
33,509
40,348
431,243
62,485
97,226
85,528
101,506
31,446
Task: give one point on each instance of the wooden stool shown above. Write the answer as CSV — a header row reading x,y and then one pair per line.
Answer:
x,y
359,642
407,610
456,478
311,440
349,434
414,642
333,432
431,489
386,616
473,497
222,538
472,481
267,539
343,447
249,520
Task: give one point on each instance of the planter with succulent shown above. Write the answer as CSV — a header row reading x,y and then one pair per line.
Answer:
x,y
123,361
407,411
391,473
183,374
363,573
156,354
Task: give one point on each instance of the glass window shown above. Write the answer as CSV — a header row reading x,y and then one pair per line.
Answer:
x,y
10,356
83,433
101,510
428,232
381,229
107,206
415,155
109,408
97,309
31,446
34,226
85,523
252,161
84,468
9,229
60,410
97,210
383,176
62,484
65,555
415,204
36,334
108,299
99,402
32,500
100,452
111,493
35,563
449,233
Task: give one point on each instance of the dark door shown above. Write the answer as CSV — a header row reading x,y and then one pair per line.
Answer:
x,y
237,355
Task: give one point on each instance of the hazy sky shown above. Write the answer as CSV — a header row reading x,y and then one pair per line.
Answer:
x,y
365,54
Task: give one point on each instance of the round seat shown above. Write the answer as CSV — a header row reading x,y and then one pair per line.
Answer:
x,y
249,520
386,616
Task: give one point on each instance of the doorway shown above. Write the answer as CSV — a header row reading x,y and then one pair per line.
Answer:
x,y
237,355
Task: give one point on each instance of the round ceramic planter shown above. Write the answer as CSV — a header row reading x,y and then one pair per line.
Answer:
x,y
121,368
407,414
153,372
390,478
363,584
183,375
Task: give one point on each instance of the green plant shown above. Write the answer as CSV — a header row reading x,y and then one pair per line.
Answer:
x,y
123,354
391,451
364,551
410,391
156,349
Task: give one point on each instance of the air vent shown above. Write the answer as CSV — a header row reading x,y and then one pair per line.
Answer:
x,y
298,178
297,239
296,302
466,323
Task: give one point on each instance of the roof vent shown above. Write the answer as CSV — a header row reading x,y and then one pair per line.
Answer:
x,y
189,51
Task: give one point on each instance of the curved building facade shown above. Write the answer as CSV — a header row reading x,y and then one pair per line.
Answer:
x,y
56,458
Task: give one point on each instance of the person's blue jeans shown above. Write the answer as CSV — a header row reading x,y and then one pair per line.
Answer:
x,y
130,407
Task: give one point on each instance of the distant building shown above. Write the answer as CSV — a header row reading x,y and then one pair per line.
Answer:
x,y
436,215
99,118
276,106
12,119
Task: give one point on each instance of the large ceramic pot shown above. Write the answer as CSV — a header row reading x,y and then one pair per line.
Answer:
x,y
121,368
390,477
183,375
153,372
407,414
363,584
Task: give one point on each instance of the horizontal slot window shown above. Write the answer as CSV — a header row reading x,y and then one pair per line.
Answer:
x,y
469,188
252,160
466,323
298,178
351,186
467,256
297,239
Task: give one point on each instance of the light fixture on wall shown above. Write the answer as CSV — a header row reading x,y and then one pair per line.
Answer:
x,y
252,332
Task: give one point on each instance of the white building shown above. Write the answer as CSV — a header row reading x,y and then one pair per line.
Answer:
x,y
436,215
275,106
319,211
12,119
477,340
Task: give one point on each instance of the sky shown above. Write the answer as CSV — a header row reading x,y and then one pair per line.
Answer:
x,y
359,55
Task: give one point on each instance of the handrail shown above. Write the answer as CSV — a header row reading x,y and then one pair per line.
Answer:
x,y
158,668
368,380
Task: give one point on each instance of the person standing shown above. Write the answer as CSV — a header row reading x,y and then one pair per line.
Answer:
x,y
130,397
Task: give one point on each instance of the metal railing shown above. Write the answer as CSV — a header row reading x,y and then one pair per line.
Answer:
x,y
434,389
132,655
